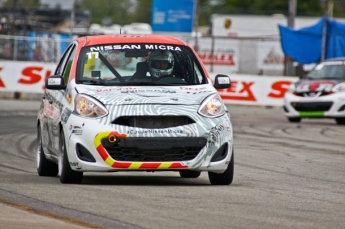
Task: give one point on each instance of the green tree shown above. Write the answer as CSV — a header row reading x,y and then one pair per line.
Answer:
x,y
22,3
128,11
143,11
120,11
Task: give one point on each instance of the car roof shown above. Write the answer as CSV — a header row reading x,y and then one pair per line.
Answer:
x,y
130,38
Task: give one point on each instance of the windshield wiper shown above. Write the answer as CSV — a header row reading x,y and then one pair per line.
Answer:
x,y
111,68
141,83
99,81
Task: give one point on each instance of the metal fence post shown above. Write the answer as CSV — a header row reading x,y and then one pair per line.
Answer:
x,y
15,49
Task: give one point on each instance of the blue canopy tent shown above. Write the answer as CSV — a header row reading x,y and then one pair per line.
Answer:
x,y
306,45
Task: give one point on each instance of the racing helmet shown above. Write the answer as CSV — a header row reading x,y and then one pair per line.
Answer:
x,y
160,56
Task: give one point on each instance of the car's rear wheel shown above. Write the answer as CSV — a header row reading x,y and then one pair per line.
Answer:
x,y
340,121
67,175
190,174
224,178
295,119
44,167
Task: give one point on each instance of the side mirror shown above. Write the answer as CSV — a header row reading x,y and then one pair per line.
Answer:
x,y
222,81
55,82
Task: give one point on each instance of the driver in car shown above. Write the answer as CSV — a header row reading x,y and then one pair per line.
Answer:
x,y
161,63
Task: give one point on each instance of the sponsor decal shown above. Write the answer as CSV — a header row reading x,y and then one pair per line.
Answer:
x,y
31,75
274,58
75,165
71,127
76,130
192,88
279,88
50,110
149,90
1,82
198,92
227,23
68,95
103,90
65,115
158,131
214,134
148,47
217,58
69,98
319,85
241,91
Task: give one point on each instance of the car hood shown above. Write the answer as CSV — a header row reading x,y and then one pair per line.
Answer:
x,y
316,85
179,95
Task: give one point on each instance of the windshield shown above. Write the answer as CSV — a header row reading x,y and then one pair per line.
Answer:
x,y
139,64
328,70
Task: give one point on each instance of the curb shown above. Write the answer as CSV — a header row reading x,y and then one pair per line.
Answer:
x,y
20,95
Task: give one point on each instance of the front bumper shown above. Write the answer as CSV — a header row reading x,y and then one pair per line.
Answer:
x,y
328,106
205,145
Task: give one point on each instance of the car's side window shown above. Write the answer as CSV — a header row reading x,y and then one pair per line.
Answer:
x,y
64,67
198,74
60,67
67,70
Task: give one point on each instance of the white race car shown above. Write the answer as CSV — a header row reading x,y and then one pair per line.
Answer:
x,y
134,103
319,94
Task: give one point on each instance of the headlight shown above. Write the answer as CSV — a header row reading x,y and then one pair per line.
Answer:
x,y
212,107
291,88
86,106
339,87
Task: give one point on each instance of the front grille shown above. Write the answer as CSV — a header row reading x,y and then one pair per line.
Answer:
x,y
312,106
155,149
313,94
153,122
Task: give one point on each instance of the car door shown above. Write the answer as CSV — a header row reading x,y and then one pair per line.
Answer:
x,y
53,102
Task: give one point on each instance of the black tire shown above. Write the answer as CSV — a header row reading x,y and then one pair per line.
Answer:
x,y
67,175
295,119
44,167
340,121
190,174
224,178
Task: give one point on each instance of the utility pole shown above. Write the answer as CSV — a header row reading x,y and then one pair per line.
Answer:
x,y
330,9
329,14
72,18
196,25
291,23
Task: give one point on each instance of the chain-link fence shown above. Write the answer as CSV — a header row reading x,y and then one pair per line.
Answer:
x,y
219,54
43,48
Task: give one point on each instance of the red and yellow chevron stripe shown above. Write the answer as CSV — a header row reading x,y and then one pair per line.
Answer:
x,y
129,165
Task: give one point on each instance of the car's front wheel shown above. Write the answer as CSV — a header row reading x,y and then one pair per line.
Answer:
x,y
44,167
67,175
190,174
294,119
224,178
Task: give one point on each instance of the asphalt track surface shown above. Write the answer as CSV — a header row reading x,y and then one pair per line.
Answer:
x,y
287,175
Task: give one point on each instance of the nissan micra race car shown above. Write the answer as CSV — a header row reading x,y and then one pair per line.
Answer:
x,y
133,103
319,94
